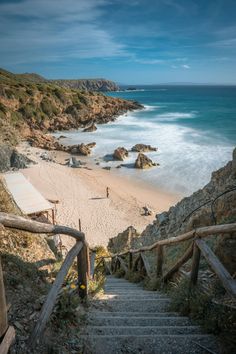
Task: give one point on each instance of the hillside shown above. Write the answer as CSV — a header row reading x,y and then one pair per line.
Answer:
x,y
27,105
102,85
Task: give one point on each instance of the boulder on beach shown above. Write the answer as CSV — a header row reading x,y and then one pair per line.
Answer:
x,y
91,128
81,149
143,162
143,148
120,154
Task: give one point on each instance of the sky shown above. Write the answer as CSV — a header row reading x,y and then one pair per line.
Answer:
x,y
128,41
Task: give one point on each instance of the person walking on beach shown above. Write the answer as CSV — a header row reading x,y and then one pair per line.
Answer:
x,y
107,191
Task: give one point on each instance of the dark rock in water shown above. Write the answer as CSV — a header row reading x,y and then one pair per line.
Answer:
x,y
106,168
10,158
120,154
144,162
62,137
19,161
143,148
91,128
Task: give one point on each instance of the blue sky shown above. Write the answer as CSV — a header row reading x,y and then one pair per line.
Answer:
x,y
128,41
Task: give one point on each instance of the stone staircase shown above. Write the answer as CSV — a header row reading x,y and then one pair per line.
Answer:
x,y
129,319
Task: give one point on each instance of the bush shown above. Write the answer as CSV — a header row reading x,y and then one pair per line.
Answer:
x,y
48,107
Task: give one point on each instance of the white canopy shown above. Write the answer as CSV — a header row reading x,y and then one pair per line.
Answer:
x,y
26,196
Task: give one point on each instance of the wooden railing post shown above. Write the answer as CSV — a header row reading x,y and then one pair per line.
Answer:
x,y
195,264
130,261
3,306
159,260
82,265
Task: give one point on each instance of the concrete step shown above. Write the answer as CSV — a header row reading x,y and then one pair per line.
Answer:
x,y
130,297
148,344
142,330
96,313
143,321
153,305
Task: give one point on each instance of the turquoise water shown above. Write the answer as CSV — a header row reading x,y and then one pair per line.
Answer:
x,y
194,128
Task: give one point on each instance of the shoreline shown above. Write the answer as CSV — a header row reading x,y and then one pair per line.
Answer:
x,y
82,195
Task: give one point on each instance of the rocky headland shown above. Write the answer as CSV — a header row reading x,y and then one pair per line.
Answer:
x,y
31,107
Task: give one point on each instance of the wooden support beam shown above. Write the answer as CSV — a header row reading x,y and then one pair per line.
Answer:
x,y
159,260
53,293
82,265
122,264
8,340
195,264
186,256
146,265
3,305
92,264
227,280
130,261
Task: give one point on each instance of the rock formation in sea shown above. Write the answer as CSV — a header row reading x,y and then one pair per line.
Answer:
x,y
144,162
143,148
120,154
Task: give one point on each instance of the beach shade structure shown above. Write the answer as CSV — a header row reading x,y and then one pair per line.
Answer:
x,y
28,198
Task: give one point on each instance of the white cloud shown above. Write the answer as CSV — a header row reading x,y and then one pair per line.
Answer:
x,y
52,30
185,66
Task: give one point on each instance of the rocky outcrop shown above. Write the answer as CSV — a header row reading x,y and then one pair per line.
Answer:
x,y
143,148
81,149
28,106
144,162
91,128
123,241
12,159
120,154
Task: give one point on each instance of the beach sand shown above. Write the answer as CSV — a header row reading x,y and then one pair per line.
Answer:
x,y
82,195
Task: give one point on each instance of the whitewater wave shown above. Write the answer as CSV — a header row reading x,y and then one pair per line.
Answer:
x,y
172,116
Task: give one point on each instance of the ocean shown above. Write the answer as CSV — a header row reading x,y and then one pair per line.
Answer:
x,y
193,127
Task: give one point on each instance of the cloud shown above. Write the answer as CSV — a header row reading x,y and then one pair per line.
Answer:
x,y
185,66
48,30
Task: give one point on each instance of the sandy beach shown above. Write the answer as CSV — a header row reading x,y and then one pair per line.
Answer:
x,y
82,195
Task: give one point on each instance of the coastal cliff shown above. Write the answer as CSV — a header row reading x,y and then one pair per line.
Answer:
x,y
102,85
28,105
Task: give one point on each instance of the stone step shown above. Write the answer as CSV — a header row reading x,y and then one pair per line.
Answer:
x,y
144,321
142,330
96,313
153,305
129,297
149,344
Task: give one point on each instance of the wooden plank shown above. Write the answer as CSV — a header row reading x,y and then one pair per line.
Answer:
x,y
159,260
130,261
18,222
146,265
226,279
201,232
3,305
52,295
92,264
195,264
82,265
186,256
8,340
122,264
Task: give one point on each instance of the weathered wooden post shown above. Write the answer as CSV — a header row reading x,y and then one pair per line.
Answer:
x,y
3,305
82,265
195,264
130,261
159,260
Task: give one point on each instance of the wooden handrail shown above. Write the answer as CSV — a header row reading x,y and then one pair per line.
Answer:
x,y
79,250
197,247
